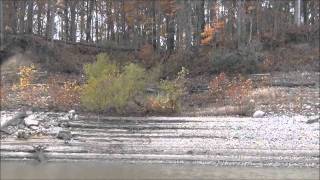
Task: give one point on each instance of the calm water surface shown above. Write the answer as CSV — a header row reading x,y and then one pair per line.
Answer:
x,y
121,170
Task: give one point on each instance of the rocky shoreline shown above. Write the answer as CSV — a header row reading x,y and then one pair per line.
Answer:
x,y
269,141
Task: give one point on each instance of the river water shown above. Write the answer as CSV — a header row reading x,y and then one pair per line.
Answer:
x,y
121,170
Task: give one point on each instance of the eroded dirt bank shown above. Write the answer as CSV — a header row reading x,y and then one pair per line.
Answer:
x,y
270,141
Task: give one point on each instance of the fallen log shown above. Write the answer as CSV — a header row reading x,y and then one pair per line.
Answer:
x,y
292,84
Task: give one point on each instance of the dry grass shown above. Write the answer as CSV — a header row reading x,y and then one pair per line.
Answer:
x,y
33,92
228,110
264,94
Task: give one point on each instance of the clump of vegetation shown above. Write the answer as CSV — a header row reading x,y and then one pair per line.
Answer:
x,y
26,91
218,85
64,94
26,76
239,90
52,93
240,61
235,91
3,96
108,86
168,98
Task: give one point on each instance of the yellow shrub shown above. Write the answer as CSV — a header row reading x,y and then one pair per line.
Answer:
x,y
108,87
26,75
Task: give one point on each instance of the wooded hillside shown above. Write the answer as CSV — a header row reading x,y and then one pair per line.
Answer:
x,y
168,25
113,55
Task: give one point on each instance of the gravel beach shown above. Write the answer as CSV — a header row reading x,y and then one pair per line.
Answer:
x,y
223,141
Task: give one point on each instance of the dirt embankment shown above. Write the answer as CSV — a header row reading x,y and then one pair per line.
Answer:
x,y
288,93
56,56
280,93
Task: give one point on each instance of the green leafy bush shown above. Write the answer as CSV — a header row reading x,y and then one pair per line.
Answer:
x,y
108,86
168,98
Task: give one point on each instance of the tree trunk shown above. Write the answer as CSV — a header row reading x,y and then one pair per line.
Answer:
x,y
110,27
201,17
30,17
154,27
73,27
90,6
21,16
158,31
52,22
200,21
170,33
123,22
97,37
1,25
276,17
82,25
66,20
48,25
240,17
297,12
188,24
305,12
39,21
14,16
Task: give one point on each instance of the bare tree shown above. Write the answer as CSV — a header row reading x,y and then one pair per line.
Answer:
x,y
90,5
297,12
30,17
1,25
73,26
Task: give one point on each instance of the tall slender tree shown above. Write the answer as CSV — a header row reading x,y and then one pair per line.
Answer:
x,y
30,17
90,6
1,25
297,12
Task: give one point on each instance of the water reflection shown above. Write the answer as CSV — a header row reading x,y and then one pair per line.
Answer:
x,y
121,170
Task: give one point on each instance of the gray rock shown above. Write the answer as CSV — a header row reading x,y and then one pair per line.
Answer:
x,y
29,113
64,135
34,127
308,107
30,121
258,114
21,126
71,115
14,121
39,153
315,120
23,134
5,130
72,112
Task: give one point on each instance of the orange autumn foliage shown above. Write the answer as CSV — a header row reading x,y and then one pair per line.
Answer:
x,y
209,32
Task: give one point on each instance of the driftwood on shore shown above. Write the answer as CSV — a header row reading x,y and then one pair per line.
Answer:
x,y
204,87
292,84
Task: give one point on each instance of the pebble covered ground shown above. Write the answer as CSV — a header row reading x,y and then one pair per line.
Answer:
x,y
268,141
